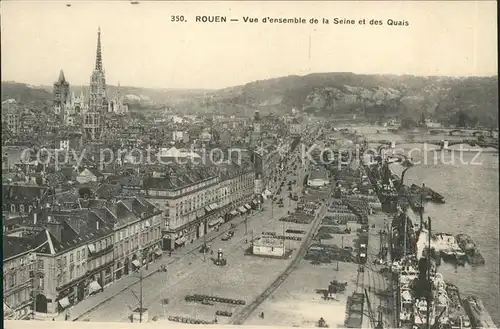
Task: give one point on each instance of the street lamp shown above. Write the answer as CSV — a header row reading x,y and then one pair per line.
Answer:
x,y
140,298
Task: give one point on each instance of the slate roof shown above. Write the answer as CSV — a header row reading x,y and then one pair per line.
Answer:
x,y
107,191
22,193
75,227
13,246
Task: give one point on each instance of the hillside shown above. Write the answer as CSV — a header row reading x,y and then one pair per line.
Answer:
x,y
26,94
473,99
374,96
138,98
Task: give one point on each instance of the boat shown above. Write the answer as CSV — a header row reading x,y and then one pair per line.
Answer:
x,y
471,250
449,250
477,313
458,319
427,193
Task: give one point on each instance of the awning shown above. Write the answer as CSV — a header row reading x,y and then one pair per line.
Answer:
x,y
95,286
216,221
64,302
242,209
136,263
91,248
180,240
234,213
158,252
214,206
248,206
208,208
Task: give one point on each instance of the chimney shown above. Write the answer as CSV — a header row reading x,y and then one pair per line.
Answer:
x,y
55,229
97,225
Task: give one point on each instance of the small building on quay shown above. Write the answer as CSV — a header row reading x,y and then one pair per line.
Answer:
x,y
268,246
318,178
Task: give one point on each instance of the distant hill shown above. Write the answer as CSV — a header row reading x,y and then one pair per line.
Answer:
x,y
324,94
374,96
136,97
26,94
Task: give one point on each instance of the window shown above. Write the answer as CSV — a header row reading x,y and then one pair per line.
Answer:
x,y
11,280
21,208
83,253
40,264
78,256
41,283
12,208
71,258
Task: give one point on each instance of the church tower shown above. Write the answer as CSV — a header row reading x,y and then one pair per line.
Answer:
x,y
61,95
94,118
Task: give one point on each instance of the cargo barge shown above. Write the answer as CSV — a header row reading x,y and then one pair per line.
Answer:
x,y
457,317
449,249
471,250
478,314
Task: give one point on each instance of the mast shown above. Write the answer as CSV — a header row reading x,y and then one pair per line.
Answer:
x,y
429,287
404,237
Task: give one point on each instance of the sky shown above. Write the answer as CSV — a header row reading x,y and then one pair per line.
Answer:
x,y
142,47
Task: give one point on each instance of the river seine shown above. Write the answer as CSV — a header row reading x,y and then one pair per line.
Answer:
x,y
471,192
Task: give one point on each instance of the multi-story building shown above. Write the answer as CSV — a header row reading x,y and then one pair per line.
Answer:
x,y
138,234
11,115
75,256
196,199
19,264
183,196
22,199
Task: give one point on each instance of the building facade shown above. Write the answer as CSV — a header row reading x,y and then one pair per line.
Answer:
x,y
137,235
19,264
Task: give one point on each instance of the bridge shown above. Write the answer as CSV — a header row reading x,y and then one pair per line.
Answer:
x,y
436,141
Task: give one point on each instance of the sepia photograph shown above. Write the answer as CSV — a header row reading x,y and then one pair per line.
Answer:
x,y
270,164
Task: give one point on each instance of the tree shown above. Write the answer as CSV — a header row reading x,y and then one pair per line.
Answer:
x,y
84,192
422,119
408,123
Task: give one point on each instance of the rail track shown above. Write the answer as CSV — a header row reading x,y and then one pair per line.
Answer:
x,y
240,318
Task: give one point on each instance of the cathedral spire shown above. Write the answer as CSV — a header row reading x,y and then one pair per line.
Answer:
x,y
62,78
98,58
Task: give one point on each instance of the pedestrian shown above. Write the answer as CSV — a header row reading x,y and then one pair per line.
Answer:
x,y
262,315
170,253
